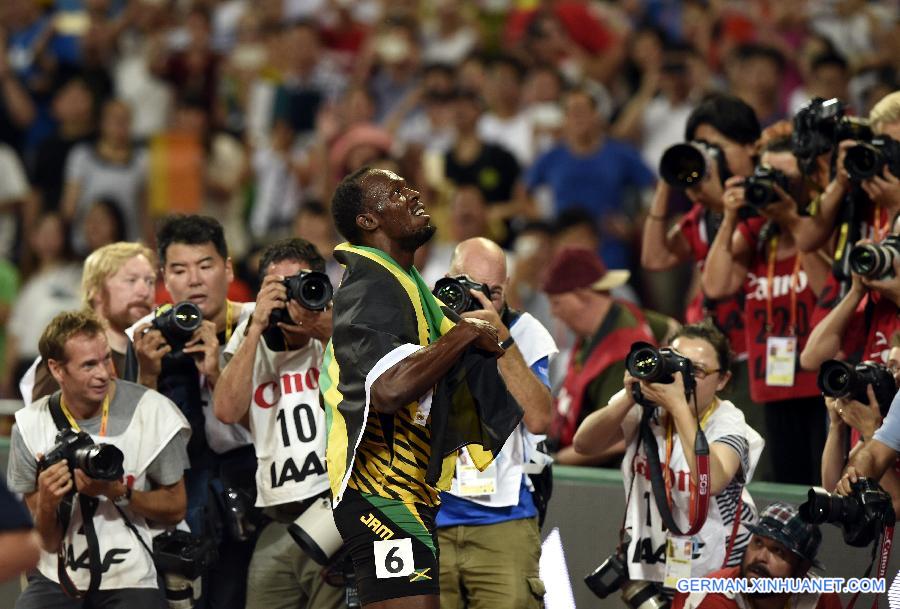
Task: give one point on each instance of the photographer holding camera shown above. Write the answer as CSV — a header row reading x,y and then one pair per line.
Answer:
x,y
779,284
662,463
179,352
91,503
489,520
271,384
117,284
783,545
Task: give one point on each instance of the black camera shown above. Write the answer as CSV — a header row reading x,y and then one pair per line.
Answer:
x,y
861,516
647,363
177,323
182,559
454,292
310,289
875,260
612,575
98,461
685,165
236,504
839,379
759,188
868,159
820,125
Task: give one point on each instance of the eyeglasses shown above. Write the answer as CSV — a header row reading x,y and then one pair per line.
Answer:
x,y
701,373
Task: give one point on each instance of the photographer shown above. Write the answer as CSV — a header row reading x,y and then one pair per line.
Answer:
x,y
734,450
196,268
117,284
263,384
779,284
98,552
783,545
490,518
578,285
725,129
859,326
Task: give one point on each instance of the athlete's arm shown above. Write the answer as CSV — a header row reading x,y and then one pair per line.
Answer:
x,y
412,377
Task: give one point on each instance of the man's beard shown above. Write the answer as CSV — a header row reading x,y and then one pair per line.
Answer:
x,y
760,572
415,240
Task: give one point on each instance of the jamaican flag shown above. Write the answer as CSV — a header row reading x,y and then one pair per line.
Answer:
x,y
382,314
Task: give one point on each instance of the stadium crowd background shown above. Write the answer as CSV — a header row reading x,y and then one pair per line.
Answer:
x,y
115,113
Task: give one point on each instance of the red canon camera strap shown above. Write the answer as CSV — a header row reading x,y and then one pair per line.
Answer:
x,y
699,493
887,542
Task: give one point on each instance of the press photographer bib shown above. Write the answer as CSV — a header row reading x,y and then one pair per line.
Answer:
x,y
287,423
778,306
124,562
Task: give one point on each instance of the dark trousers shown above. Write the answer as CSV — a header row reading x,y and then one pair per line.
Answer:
x,y
795,437
43,593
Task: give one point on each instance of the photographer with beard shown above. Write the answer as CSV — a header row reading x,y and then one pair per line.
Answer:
x,y
782,546
734,450
117,284
268,380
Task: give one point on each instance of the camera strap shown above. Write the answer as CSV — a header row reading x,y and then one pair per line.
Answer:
x,y
88,507
886,541
699,493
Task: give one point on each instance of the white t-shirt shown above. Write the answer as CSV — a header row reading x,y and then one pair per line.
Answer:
x,y
287,421
516,134
646,553
42,298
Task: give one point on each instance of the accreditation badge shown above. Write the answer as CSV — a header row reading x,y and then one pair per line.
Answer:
x,y
781,361
678,559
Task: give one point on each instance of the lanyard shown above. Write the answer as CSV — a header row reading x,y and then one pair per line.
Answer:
x,y
770,291
71,419
879,228
667,471
228,328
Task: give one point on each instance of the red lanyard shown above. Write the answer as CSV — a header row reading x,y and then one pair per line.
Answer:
x,y
770,291
667,470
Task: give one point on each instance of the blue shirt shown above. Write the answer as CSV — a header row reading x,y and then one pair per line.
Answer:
x,y
456,511
598,183
889,432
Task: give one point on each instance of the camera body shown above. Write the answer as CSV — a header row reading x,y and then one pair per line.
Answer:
x,y
868,159
759,188
454,292
182,559
861,515
820,125
875,260
612,575
685,165
99,461
839,379
647,363
177,323
310,289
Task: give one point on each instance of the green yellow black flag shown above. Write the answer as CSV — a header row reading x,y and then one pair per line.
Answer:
x,y
382,314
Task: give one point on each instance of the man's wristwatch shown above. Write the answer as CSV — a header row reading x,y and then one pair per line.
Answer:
x,y
509,342
124,499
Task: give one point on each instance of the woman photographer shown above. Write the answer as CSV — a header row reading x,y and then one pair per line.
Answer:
x,y
780,284
734,450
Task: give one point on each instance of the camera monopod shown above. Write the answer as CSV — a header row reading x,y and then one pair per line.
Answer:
x,y
699,493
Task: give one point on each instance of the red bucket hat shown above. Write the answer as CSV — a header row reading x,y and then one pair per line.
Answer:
x,y
574,268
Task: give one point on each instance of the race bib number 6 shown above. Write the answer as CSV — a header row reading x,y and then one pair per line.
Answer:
x,y
393,558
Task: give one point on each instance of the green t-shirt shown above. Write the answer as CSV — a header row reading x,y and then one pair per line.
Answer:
x,y
9,287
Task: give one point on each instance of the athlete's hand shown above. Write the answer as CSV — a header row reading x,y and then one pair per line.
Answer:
x,y
484,335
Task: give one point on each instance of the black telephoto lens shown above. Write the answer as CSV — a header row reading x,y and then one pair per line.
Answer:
x,y
865,260
863,161
836,379
682,166
100,461
187,316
